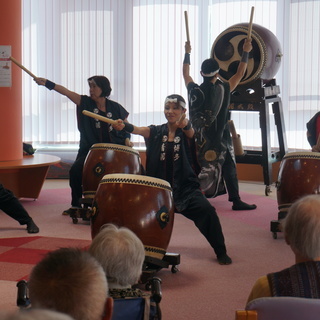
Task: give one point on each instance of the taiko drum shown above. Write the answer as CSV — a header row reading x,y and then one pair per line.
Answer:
x,y
264,58
107,158
299,175
141,203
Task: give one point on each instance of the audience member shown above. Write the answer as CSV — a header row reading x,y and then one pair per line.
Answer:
x,y
121,254
11,205
71,281
301,228
34,314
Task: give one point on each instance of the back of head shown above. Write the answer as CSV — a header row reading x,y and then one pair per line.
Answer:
x,y
71,281
301,227
34,314
209,68
121,254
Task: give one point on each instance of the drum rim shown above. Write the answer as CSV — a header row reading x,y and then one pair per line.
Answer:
x,y
135,179
303,155
112,146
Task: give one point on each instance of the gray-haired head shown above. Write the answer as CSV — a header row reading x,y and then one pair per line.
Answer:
x,y
121,254
301,227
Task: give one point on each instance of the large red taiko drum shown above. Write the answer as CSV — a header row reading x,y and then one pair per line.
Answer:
x,y
107,158
299,175
141,203
264,58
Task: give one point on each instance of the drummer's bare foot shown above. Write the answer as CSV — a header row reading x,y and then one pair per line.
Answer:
x,y
240,205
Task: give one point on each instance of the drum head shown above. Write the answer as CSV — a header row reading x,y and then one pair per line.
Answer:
x,y
264,58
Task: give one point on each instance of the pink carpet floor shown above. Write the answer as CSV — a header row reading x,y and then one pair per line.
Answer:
x,y
202,289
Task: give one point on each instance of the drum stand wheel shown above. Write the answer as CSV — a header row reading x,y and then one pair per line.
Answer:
x,y
152,265
83,213
275,225
267,190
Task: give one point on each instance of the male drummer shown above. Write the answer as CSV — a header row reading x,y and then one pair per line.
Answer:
x,y
171,157
91,130
209,116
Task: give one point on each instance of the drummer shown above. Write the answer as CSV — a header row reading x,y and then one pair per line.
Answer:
x,y
91,130
209,115
171,157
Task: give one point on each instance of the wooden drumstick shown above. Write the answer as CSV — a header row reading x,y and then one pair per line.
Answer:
x,y
181,118
187,25
97,116
250,23
22,67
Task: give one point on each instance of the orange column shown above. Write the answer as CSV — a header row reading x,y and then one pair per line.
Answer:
x,y
11,97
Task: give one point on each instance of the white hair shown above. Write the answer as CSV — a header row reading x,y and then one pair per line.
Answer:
x,y
301,226
121,254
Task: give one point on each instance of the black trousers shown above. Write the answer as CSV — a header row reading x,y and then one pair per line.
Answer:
x,y
75,180
205,217
11,205
229,173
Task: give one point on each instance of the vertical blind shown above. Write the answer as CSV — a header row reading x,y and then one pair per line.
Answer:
x,y
139,46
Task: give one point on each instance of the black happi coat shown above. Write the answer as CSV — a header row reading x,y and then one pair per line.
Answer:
x,y
183,163
94,131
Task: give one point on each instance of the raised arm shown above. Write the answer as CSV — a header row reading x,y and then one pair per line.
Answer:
x,y
185,125
142,131
186,64
235,79
73,96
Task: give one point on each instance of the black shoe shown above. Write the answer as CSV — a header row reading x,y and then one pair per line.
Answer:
x,y
32,227
240,205
69,212
224,259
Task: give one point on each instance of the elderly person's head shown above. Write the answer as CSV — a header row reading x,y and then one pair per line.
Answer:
x,y
301,228
121,254
71,281
33,314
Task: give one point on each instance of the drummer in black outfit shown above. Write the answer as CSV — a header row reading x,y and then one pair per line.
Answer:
x,y
171,156
91,130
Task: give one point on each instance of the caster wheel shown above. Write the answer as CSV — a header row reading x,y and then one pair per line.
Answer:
x,y
148,286
274,235
75,220
267,190
174,269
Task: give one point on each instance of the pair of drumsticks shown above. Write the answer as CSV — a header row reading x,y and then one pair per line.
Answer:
x,y
249,27
105,119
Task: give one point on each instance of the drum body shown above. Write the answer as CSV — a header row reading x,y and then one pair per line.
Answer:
x,y
105,158
264,58
141,203
299,175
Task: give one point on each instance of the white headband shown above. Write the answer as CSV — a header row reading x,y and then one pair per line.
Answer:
x,y
175,100
211,74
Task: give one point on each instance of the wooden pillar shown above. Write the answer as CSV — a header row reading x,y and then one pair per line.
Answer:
x,y
11,97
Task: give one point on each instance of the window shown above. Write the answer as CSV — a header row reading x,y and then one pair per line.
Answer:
x,y
139,46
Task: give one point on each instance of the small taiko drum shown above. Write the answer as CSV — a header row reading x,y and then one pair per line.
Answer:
x,y
105,158
299,175
141,203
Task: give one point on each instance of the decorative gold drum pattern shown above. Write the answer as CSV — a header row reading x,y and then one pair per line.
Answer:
x,y
141,203
107,158
264,59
